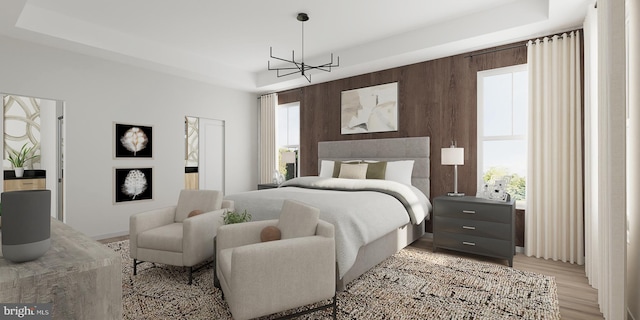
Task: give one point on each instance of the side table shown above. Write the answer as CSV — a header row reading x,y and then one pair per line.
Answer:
x,y
263,186
475,225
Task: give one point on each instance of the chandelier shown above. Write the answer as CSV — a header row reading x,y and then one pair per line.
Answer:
x,y
300,67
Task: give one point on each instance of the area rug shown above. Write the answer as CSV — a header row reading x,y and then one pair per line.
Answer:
x,y
412,284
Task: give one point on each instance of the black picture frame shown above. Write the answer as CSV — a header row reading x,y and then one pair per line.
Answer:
x,y
133,184
142,149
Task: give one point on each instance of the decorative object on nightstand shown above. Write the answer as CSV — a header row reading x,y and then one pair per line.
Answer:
x,y
278,178
475,225
495,190
453,156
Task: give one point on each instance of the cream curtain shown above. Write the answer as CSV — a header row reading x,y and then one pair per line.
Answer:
x,y
554,215
612,179
591,138
268,105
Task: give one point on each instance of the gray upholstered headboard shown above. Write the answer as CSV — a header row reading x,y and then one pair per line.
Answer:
x,y
414,148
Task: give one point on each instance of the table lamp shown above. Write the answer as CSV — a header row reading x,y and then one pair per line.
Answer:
x,y
453,157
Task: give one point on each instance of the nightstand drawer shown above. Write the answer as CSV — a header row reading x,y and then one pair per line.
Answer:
x,y
24,184
477,245
474,211
476,228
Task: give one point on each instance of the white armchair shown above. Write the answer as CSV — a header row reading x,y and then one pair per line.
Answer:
x,y
169,236
261,278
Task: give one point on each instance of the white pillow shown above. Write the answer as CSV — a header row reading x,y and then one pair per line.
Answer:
x,y
326,168
399,171
353,171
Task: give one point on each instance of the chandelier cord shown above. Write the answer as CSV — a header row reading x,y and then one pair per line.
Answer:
x,y
302,57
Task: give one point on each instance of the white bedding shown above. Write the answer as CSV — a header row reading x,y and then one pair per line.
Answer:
x,y
361,210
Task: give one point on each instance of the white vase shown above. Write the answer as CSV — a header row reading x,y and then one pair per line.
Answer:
x,y
19,172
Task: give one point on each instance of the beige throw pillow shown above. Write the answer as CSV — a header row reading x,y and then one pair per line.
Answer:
x,y
376,170
338,164
353,171
297,220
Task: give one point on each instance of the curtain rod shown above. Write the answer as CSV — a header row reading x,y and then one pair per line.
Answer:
x,y
471,55
560,35
281,92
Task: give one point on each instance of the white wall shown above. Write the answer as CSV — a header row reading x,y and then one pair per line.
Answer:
x,y
98,92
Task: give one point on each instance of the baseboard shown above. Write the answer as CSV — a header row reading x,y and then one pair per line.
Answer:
x,y
519,249
110,235
428,235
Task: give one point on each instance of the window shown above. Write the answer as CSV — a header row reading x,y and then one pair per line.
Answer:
x,y
288,138
502,128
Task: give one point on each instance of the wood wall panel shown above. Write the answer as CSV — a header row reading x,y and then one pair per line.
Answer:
x,y
289,96
435,98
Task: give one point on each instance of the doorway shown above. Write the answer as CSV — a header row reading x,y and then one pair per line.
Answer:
x,y
211,154
37,123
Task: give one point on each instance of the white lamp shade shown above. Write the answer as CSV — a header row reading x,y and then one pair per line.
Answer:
x,y
452,156
289,157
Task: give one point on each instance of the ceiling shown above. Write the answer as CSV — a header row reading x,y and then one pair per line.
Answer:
x,y
227,42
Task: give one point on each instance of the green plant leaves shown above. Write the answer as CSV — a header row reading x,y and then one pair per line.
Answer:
x,y
232,217
18,158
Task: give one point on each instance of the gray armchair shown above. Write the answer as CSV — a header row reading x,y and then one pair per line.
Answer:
x,y
261,278
169,236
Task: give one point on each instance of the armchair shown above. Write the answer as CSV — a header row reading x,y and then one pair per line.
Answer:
x,y
170,236
261,278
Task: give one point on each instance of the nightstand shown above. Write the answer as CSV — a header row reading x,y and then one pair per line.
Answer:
x,y
475,225
262,186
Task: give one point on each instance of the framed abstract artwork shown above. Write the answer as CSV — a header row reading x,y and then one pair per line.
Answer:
x,y
133,141
133,184
370,109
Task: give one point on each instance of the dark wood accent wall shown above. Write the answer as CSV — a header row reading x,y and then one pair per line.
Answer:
x,y
289,96
436,98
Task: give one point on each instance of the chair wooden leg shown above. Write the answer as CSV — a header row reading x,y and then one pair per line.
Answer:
x,y
190,275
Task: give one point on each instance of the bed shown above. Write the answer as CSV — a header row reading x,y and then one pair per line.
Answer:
x,y
374,218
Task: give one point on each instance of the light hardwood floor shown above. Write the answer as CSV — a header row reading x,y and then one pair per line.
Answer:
x,y
578,300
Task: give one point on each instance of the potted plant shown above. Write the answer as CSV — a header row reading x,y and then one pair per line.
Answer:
x,y
19,158
236,217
